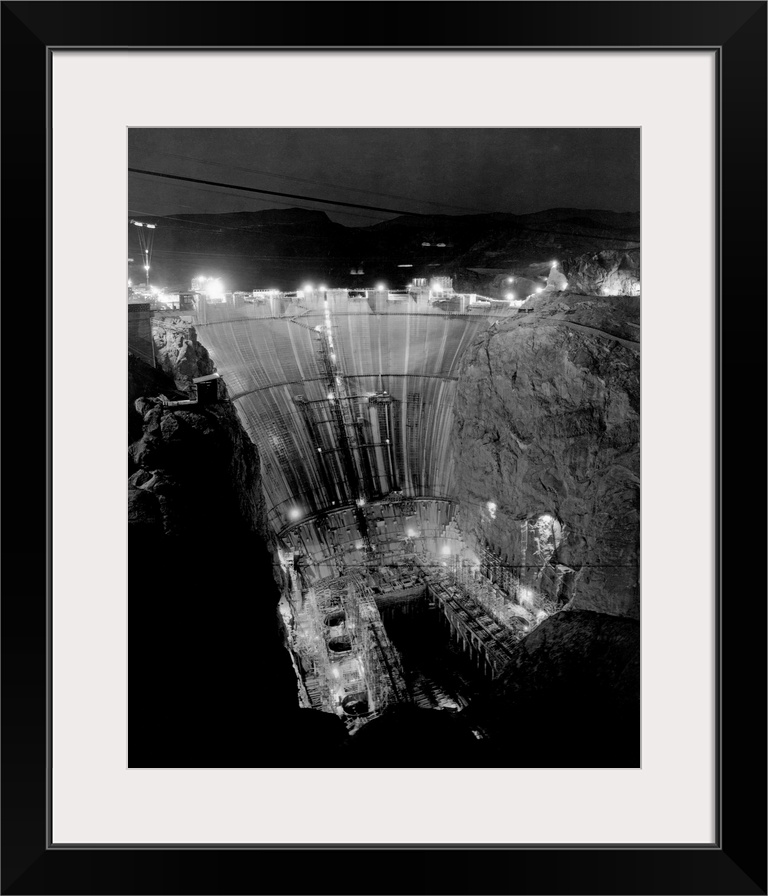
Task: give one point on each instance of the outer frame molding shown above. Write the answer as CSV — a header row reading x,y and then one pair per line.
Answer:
x,y
736,864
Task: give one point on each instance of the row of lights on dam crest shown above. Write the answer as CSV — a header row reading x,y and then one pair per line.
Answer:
x,y
309,288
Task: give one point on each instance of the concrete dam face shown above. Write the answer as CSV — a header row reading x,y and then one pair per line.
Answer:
x,y
347,399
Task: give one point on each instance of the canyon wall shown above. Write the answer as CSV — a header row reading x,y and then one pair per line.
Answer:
x,y
548,429
145,380
610,272
193,457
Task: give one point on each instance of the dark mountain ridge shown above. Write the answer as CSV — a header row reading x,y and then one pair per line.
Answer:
x,y
283,248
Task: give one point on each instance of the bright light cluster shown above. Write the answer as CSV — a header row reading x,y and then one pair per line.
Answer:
x,y
526,596
210,286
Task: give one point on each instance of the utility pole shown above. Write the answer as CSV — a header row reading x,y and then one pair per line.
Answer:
x,y
146,235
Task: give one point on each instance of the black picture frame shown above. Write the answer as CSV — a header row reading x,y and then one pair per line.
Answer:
x,y
736,862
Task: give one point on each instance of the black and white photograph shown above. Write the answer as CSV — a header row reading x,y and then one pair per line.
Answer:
x,y
422,571
384,447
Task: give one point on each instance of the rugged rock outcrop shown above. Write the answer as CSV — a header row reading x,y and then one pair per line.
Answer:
x,y
178,353
186,455
547,450
610,272
145,380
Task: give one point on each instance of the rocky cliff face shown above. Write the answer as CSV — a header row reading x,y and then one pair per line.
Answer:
x,y
189,456
548,454
610,272
178,353
145,380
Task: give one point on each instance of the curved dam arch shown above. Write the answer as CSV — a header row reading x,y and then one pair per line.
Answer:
x,y
347,398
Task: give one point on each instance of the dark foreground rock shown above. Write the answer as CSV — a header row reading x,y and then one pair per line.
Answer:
x,y
405,736
210,680
145,380
569,698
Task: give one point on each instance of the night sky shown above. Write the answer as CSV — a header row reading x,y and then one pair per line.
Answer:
x,y
425,170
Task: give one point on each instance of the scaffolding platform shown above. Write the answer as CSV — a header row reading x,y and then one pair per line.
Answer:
x,y
492,644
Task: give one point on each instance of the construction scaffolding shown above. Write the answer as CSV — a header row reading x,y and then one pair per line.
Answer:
x,y
490,644
346,662
381,663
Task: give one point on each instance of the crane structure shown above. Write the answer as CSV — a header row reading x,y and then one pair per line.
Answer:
x,y
146,236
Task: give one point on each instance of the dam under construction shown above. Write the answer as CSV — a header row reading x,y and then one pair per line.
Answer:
x,y
349,397
383,453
